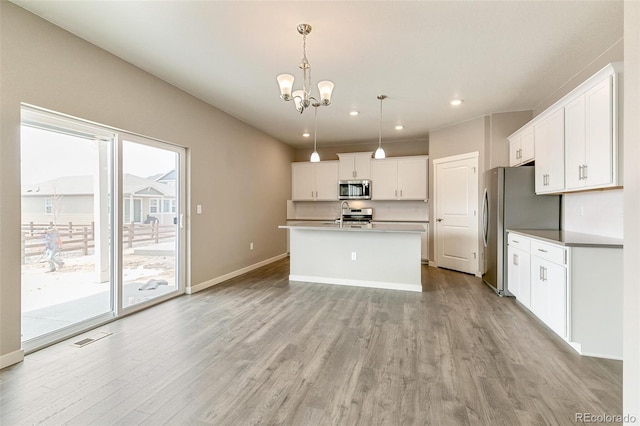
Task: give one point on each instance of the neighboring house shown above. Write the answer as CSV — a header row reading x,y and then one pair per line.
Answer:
x,y
70,199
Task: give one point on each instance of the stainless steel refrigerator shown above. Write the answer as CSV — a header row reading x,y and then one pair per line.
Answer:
x,y
510,202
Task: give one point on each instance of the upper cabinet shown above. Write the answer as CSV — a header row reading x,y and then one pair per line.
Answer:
x,y
576,140
354,166
521,147
314,181
589,140
549,146
400,178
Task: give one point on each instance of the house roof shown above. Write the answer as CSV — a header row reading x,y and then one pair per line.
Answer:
x,y
83,185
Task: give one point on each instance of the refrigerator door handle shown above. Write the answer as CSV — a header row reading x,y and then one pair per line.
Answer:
x,y
485,217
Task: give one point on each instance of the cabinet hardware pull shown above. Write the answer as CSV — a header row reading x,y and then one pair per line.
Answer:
x,y
579,172
540,274
396,193
584,171
544,271
544,251
401,192
516,241
515,259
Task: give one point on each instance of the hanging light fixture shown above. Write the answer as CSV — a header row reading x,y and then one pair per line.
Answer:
x,y
315,157
380,152
302,98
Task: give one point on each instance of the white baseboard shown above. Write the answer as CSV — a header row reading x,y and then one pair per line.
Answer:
x,y
11,358
357,283
209,283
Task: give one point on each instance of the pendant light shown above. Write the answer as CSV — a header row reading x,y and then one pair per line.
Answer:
x,y
315,157
380,152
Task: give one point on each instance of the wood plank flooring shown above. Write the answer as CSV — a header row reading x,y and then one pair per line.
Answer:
x,y
259,349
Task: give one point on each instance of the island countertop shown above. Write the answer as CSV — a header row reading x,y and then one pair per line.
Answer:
x,y
371,227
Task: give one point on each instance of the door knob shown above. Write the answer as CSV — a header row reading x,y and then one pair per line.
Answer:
x,y
439,219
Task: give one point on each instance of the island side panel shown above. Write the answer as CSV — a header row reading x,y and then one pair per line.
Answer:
x,y
383,259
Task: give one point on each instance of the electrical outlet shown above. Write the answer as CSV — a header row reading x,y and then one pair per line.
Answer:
x,y
199,209
354,255
250,246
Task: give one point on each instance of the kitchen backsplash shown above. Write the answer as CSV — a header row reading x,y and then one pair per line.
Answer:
x,y
408,211
595,212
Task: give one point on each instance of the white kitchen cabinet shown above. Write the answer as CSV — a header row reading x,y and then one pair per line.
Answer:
x,y
521,147
549,148
575,290
314,181
549,293
591,151
519,269
355,165
400,178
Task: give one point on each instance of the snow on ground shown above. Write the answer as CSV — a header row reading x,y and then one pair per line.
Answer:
x,y
77,278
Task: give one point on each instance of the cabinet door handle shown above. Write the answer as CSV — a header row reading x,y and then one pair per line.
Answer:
x,y
540,274
396,193
515,259
579,172
516,241
544,251
401,193
584,171
544,273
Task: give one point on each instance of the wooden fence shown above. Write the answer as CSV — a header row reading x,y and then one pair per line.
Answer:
x,y
79,238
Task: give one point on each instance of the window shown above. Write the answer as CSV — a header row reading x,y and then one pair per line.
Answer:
x,y
48,205
154,205
168,206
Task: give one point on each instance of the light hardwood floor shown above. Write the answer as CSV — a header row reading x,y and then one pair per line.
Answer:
x,y
261,350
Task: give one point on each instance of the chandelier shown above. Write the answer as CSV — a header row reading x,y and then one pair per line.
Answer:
x,y
302,98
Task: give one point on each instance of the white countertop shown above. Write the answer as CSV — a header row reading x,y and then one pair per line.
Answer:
x,y
372,227
569,239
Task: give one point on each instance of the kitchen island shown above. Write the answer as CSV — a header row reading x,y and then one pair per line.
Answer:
x,y
370,255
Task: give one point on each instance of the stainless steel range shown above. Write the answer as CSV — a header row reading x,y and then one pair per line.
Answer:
x,y
351,216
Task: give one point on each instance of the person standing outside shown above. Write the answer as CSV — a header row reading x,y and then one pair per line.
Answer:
x,y
53,244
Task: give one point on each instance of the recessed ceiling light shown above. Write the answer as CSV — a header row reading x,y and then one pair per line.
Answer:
x,y
456,102
399,127
305,135
354,113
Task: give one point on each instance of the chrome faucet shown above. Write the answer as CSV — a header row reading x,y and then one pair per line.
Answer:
x,y
342,207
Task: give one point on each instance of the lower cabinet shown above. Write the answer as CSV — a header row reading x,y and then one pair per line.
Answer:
x,y
549,293
519,275
575,290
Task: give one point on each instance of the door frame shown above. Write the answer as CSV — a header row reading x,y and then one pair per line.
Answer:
x,y
181,230
475,155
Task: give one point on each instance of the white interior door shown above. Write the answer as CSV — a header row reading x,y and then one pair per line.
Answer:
x,y
456,212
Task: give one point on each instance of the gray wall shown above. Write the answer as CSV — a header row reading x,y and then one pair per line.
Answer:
x,y
234,168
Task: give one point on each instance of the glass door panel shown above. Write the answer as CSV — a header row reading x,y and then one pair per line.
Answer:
x,y
151,228
66,226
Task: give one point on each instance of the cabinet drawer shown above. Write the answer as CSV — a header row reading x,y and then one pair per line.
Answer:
x,y
550,252
520,242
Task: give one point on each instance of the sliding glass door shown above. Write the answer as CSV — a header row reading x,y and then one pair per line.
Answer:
x,y
101,223
152,199
67,268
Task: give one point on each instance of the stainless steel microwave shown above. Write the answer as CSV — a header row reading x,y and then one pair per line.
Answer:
x,y
354,189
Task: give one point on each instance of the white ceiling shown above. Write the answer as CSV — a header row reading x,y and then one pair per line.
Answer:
x,y
496,55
